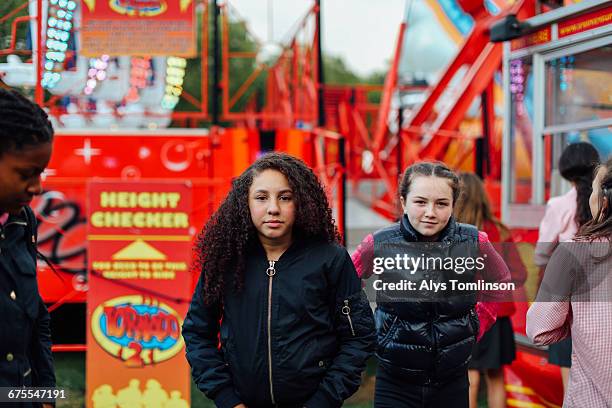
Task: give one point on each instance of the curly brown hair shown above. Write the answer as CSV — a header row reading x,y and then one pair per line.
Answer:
x,y
223,243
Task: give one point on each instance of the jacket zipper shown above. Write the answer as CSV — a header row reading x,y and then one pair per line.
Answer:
x,y
346,310
270,272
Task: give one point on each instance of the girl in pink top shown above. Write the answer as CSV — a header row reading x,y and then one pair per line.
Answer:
x,y
575,300
563,216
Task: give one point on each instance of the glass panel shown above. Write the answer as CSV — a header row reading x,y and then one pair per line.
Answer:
x,y
521,134
579,87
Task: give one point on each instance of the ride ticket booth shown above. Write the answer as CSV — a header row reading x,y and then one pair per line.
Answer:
x,y
558,90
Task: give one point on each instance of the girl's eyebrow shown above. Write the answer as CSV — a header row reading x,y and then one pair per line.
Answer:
x,y
437,199
287,190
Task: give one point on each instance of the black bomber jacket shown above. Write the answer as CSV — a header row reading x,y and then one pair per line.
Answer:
x,y
25,335
298,334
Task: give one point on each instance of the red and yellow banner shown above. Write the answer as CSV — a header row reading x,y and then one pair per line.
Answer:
x,y
586,22
139,289
138,27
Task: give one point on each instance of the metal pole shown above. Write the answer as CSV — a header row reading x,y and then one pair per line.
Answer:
x,y
320,75
39,96
216,64
400,144
482,144
342,188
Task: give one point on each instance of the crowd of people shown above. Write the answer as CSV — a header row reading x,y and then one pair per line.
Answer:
x,y
279,316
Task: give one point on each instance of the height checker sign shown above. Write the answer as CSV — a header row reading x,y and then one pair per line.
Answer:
x,y
139,285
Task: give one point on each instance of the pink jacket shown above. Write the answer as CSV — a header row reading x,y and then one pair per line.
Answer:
x,y
558,225
495,268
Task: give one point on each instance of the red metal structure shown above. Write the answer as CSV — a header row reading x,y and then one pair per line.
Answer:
x,y
291,81
427,133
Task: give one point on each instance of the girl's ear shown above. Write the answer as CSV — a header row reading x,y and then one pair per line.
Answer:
x,y
403,202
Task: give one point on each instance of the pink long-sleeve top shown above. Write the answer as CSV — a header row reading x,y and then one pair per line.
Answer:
x,y
558,225
495,270
575,299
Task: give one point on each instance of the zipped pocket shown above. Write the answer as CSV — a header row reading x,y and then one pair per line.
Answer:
x,y
346,310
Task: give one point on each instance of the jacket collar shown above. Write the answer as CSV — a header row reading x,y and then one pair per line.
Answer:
x,y
412,235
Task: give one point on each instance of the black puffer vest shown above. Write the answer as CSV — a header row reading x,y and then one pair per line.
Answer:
x,y
427,338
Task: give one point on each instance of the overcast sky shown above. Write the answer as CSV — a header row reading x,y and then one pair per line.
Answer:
x,y
362,32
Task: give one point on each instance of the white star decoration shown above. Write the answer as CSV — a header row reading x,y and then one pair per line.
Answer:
x,y
87,152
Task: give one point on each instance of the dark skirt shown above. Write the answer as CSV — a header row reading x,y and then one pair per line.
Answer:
x,y
560,353
496,348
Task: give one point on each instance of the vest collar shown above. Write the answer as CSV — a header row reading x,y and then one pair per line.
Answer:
x,y
412,235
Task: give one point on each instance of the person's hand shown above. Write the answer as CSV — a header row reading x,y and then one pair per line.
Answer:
x,y
47,405
240,406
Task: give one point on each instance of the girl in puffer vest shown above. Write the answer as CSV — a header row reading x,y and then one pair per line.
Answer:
x,y
496,347
425,336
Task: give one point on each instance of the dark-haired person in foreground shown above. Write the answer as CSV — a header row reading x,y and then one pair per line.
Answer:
x,y
280,294
26,138
575,300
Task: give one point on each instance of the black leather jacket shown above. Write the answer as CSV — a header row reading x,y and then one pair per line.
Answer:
x,y
25,336
299,338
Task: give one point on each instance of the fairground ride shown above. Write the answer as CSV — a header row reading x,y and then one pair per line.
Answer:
x,y
504,110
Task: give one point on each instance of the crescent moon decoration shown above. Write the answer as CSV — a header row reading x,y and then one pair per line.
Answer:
x,y
177,147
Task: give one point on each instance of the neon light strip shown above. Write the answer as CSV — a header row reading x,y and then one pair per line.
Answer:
x,y
175,75
140,73
96,73
59,26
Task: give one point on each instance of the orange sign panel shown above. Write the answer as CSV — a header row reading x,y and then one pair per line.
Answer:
x,y
540,37
139,236
138,27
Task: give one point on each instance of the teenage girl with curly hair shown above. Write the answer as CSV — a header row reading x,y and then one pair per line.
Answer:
x,y
278,317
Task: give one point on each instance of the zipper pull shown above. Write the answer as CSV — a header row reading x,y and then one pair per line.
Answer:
x,y
271,271
346,310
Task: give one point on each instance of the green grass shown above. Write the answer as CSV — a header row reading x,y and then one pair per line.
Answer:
x,y
70,372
